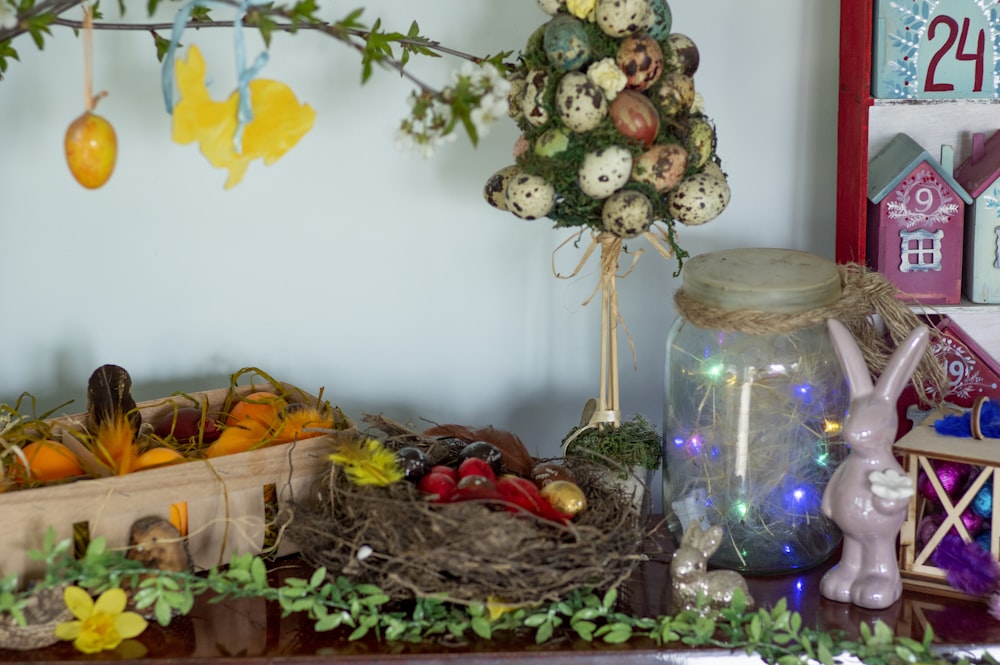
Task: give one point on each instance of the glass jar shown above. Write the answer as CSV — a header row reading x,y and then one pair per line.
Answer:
x,y
754,404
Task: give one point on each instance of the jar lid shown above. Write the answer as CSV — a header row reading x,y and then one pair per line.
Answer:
x,y
771,280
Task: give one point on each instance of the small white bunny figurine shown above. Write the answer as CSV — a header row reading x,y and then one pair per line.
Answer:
x,y
691,579
868,495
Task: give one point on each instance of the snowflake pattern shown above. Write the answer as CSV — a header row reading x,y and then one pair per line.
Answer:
x,y
900,79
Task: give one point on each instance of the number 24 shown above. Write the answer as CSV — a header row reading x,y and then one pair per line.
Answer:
x,y
960,53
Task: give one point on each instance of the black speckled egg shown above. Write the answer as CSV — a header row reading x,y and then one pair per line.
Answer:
x,y
485,451
414,462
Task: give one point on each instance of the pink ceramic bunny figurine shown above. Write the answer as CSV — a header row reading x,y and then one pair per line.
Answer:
x,y
868,495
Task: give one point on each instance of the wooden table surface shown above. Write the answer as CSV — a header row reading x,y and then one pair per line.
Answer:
x,y
252,632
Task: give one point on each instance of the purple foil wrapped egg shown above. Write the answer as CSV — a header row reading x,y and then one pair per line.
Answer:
x,y
974,523
927,528
951,475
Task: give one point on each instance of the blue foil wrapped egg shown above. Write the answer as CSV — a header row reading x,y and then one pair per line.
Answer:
x,y
982,503
566,43
663,19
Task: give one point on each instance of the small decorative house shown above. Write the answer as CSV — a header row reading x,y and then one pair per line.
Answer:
x,y
979,175
972,373
916,218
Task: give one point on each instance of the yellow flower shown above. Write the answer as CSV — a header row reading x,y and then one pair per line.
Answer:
x,y
581,8
100,625
608,76
279,121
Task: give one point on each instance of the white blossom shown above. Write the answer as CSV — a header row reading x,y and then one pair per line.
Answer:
x,y
8,15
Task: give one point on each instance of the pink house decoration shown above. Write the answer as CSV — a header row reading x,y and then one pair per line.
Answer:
x,y
979,175
916,218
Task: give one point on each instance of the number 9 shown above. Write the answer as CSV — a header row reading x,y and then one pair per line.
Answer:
x,y
924,198
956,369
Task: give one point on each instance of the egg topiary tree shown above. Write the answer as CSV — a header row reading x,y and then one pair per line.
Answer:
x,y
614,141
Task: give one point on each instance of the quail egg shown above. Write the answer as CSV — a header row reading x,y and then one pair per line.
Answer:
x,y
641,58
566,43
580,103
603,172
531,105
619,18
496,187
627,213
529,196
662,166
698,199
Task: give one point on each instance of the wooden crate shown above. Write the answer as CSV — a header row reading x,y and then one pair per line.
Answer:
x,y
919,448
225,496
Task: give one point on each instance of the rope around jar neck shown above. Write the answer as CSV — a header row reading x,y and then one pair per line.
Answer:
x,y
864,294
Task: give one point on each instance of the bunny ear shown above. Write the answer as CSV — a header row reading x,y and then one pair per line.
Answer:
x,y
711,540
902,364
692,536
851,359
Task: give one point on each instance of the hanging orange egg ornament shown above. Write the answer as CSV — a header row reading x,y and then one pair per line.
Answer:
x,y
91,145
91,149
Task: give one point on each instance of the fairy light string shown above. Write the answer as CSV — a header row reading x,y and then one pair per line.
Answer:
x,y
754,431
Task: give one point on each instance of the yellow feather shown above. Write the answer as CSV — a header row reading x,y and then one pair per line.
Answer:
x,y
367,462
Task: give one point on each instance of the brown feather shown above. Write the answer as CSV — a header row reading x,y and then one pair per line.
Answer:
x,y
455,431
109,395
515,455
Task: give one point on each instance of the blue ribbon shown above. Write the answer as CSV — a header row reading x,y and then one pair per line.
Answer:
x,y
244,74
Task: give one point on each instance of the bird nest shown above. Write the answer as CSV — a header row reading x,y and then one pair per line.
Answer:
x,y
468,551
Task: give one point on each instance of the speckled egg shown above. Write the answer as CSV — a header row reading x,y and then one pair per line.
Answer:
x,y
698,199
566,43
551,7
701,142
531,105
580,103
674,93
713,169
663,19
495,190
603,172
627,213
529,196
551,143
662,166
641,58
685,57
515,95
620,18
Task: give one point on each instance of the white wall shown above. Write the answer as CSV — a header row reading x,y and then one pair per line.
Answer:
x,y
379,275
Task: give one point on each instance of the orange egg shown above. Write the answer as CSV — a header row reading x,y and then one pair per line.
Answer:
x,y
263,407
157,457
91,149
50,460
239,438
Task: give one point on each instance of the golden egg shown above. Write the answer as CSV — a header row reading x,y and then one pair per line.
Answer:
x,y
565,496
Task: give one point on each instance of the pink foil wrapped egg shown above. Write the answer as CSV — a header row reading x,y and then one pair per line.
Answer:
x,y
641,59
